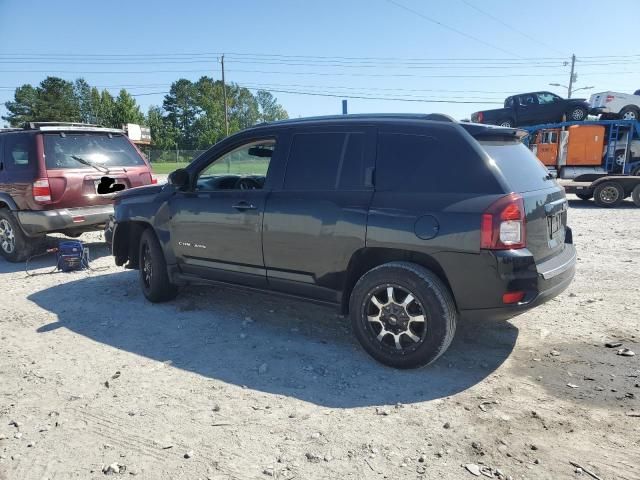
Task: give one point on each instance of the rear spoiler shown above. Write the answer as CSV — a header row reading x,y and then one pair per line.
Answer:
x,y
491,132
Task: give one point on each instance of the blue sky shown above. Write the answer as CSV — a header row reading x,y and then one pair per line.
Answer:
x,y
366,48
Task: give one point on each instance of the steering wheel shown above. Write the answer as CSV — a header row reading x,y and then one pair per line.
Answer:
x,y
247,183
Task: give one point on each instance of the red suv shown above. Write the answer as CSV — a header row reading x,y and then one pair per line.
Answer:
x,y
61,177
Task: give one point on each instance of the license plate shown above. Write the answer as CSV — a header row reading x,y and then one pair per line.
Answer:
x,y
111,187
554,223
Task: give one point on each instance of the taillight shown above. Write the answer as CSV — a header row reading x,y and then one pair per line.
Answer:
x,y
154,180
503,224
513,297
480,117
609,98
41,190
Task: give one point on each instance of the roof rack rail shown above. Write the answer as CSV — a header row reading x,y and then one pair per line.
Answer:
x,y
10,129
37,125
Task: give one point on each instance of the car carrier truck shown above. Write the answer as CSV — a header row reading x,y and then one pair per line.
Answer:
x,y
592,159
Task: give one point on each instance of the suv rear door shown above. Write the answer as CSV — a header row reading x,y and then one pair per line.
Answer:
x,y
317,218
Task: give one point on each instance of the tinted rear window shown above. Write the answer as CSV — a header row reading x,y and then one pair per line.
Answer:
x,y
519,165
101,149
442,162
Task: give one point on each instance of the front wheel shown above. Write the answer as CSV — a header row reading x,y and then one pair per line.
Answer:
x,y
577,114
608,194
403,315
153,275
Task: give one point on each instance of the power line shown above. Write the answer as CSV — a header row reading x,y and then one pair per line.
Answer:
x,y
501,22
471,37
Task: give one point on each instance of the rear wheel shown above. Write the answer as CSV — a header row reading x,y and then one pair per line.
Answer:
x,y
608,194
506,122
584,196
577,114
403,315
636,171
15,246
635,195
630,112
153,275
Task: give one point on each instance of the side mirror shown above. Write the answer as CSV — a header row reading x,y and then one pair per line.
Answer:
x,y
179,178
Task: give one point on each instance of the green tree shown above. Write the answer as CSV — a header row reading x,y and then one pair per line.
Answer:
x,y
82,91
57,101
24,106
105,109
182,111
270,109
125,110
163,135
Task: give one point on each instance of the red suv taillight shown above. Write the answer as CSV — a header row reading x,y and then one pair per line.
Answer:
x,y
41,190
479,117
503,224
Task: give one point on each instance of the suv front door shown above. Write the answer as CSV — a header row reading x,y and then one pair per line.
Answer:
x,y
216,226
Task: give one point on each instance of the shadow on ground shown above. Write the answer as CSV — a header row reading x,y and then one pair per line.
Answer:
x,y
307,351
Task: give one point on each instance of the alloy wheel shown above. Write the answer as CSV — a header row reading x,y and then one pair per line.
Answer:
x,y
7,236
147,267
577,114
630,115
396,318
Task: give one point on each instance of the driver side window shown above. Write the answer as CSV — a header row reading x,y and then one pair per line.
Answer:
x,y
244,168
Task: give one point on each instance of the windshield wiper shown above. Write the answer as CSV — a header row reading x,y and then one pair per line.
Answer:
x,y
100,168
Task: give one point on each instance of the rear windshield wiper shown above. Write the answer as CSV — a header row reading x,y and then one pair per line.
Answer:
x,y
100,168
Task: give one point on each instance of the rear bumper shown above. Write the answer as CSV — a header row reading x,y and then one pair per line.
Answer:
x,y
541,282
35,222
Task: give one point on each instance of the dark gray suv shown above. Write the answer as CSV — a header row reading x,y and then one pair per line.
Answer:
x,y
406,222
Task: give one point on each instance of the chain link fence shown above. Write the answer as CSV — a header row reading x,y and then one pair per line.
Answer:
x,y
172,156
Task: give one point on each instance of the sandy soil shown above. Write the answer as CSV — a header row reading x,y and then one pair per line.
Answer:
x,y
249,386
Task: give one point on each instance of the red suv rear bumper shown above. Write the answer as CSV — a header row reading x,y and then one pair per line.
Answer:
x,y
35,222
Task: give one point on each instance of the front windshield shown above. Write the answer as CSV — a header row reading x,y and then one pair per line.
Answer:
x,y
100,149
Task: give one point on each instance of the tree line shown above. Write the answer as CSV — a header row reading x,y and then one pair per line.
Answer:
x,y
191,115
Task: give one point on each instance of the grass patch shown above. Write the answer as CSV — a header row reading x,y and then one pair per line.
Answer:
x,y
167,167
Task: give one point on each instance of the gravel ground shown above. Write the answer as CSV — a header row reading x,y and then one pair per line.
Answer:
x,y
95,379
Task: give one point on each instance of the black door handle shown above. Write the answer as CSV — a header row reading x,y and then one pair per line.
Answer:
x,y
244,206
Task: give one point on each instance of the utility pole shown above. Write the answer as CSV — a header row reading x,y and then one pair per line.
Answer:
x,y
224,94
573,75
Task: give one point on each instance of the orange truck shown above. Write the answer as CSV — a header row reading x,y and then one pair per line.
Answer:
x,y
593,159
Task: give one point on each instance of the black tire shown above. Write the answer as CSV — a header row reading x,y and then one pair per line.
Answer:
x,y
636,171
153,275
630,112
577,114
584,196
635,195
431,299
15,246
506,122
608,194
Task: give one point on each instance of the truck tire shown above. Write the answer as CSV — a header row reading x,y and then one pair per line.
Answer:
x,y
635,195
636,171
608,194
577,114
506,122
403,315
630,112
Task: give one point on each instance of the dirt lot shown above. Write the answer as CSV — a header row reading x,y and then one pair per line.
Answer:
x,y
250,386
